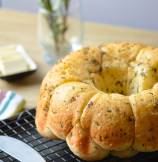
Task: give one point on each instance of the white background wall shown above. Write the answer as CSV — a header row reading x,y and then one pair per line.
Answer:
x,y
132,13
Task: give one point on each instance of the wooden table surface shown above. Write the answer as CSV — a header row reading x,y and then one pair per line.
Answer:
x,y
18,27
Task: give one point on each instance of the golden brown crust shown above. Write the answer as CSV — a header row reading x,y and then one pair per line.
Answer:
x,y
126,52
145,109
110,120
66,106
82,145
79,103
69,69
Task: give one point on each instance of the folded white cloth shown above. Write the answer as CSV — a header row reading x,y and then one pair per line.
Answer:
x,y
10,104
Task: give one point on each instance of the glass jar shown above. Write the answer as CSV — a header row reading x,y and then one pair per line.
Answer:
x,y
60,28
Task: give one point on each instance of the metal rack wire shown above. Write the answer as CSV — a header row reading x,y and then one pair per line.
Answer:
x,y
23,128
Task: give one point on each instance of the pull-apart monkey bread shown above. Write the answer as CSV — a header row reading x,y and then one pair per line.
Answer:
x,y
102,101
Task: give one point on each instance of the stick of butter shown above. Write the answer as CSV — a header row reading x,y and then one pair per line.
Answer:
x,y
11,61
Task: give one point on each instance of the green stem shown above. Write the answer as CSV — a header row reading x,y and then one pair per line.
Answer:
x,y
58,29
65,16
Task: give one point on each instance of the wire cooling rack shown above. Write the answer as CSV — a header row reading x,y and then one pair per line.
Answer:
x,y
23,128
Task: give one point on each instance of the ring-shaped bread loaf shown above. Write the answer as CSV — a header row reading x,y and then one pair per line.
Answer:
x,y
102,100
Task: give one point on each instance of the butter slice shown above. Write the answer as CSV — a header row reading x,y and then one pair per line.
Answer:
x,y
12,62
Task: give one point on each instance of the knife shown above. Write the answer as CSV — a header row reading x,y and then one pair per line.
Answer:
x,y
19,150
